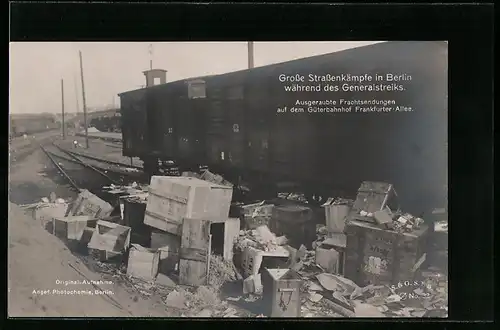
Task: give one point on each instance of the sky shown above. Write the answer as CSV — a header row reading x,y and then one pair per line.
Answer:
x,y
36,68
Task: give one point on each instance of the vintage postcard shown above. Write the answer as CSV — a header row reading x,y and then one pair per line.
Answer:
x,y
228,179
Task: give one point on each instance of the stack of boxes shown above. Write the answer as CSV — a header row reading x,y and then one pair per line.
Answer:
x,y
174,201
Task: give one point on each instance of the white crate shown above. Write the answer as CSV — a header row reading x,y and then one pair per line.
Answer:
x,y
173,198
252,258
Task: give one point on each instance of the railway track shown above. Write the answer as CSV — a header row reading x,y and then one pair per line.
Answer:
x,y
83,163
99,163
107,161
84,181
50,155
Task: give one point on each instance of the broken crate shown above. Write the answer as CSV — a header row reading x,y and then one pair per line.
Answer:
x,y
372,197
295,222
46,214
109,240
133,216
173,198
330,254
72,227
257,214
224,233
89,204
253,259
168,246
143,262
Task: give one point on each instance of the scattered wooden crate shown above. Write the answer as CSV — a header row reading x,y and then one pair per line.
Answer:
x,y
330,255
46,214
168,245
72,227
134,210
252,258
281,293
143,263
109,240
89,204
380,256
295,222
257,214
231,233
335,216
173,198
372,197
194,256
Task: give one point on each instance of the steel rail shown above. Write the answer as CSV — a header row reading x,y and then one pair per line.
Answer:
x,y
104,160
73,184
87,165
76,162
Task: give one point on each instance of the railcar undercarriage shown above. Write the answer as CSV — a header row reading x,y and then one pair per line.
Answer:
x,y
248,185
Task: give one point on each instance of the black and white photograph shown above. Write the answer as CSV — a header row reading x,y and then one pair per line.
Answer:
x,y
235,179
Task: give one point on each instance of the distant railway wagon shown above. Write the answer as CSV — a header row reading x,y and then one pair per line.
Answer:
x,y
30,124
324,123
107,123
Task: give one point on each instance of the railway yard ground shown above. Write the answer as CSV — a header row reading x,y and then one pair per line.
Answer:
x,y
50,276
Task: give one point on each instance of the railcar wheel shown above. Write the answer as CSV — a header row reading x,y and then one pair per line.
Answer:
x,y
150,167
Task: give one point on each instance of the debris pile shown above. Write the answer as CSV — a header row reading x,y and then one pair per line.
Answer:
x,y
293,197
221,272
193,249
328,295
202,301
47,209
133,189
260,238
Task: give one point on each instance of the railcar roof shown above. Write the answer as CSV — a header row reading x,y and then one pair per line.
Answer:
x,y
297,63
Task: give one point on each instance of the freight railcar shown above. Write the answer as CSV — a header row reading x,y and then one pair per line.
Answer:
x,y
307,122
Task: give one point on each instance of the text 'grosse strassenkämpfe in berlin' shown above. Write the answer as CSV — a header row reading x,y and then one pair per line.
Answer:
x,y
345,82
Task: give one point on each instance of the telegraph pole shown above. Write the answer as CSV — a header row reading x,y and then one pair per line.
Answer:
x,y
150,56
76,95
62,105
84,104
250,55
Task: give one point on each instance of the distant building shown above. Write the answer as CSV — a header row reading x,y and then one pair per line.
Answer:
x,y
20,124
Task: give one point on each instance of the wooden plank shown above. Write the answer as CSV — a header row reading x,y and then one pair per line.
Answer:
x,y
193,254
167,195
195,236
165,223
